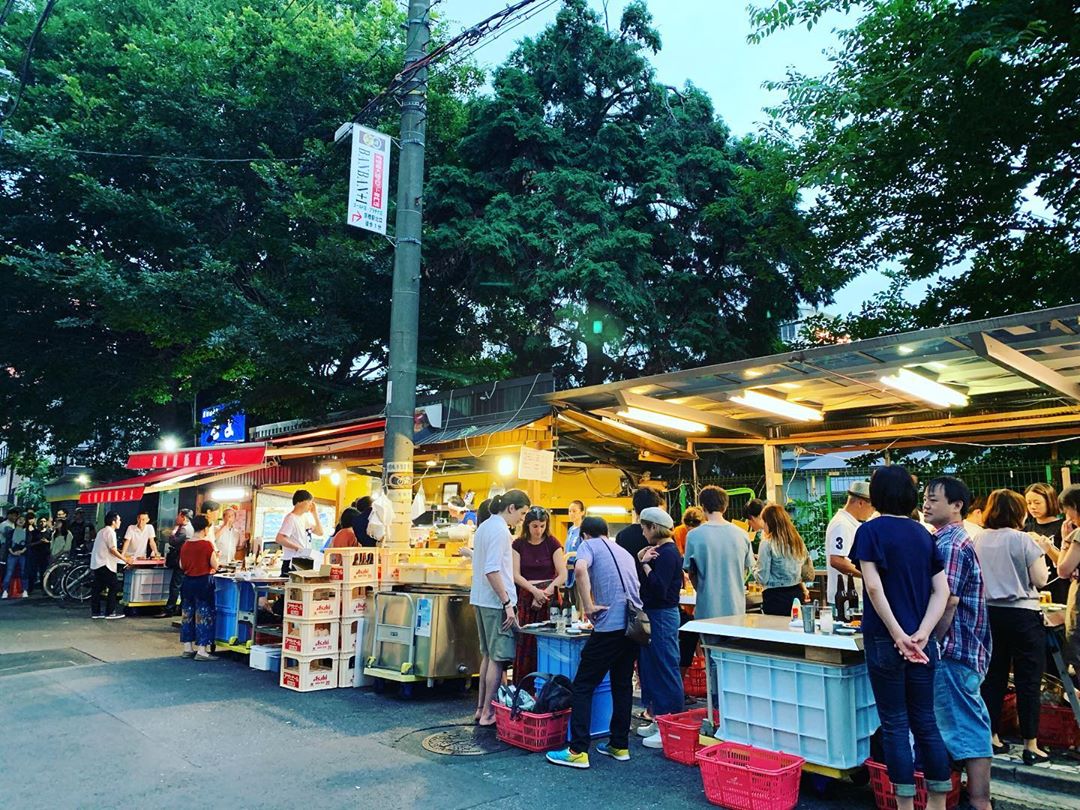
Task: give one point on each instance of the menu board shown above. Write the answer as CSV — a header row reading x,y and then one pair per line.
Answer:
x,y
272,506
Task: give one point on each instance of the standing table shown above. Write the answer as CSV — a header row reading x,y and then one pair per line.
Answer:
x,y
781,689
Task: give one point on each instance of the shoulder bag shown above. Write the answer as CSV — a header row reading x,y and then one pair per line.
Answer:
x,y
638,627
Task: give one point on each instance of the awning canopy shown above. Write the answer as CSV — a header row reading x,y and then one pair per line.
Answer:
x,y
199,458
1019,375
133,489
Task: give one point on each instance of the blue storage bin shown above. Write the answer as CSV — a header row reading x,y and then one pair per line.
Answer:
x,y
600,719
246,596
225,625
561,656
824,713
226,593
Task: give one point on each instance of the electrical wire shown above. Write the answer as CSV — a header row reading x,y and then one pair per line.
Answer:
x,y
504,425
472,51
188,158
469,37
24,71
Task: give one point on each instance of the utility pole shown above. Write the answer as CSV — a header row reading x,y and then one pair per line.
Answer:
x,y
405,304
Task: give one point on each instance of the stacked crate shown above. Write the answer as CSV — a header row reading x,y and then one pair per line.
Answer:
x,y
356,569
311,628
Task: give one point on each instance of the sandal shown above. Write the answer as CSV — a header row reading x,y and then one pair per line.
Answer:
x,y
205,658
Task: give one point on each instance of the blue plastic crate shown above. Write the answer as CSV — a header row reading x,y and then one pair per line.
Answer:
x,y
600,719
246,596
226,593
561,656
227,627
824,713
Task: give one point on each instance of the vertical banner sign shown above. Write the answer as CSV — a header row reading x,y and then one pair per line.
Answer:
x,y
369,179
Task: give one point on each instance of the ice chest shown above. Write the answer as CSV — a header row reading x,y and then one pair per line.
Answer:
x,y
265,657
306,637
824,713
316,600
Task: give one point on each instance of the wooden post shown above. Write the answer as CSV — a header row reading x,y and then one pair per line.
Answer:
x,y
774,475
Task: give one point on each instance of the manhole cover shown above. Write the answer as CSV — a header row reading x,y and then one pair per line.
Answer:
x,y
464,742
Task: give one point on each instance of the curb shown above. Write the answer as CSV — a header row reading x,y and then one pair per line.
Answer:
x,y
1063,782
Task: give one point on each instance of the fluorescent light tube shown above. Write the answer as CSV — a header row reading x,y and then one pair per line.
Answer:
x,y
662,420
927,390
781,407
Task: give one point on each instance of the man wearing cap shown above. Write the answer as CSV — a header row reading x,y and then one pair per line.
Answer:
x,y
840,535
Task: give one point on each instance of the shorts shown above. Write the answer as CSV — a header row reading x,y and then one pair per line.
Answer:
x,y
495,643
961,713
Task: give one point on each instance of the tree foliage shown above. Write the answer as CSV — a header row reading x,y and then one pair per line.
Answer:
x,y
172,224
137,287
604,224
943,138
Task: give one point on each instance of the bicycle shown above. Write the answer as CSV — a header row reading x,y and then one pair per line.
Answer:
x,y
54,574
77,584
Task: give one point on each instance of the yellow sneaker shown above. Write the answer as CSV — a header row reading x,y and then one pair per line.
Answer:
x,y
620,754
568,758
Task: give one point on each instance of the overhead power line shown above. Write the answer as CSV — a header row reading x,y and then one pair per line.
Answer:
x,y
469,38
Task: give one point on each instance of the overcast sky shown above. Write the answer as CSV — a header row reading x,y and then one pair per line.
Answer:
x,y
704,41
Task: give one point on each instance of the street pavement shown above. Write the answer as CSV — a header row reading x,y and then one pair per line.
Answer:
x,y
106,714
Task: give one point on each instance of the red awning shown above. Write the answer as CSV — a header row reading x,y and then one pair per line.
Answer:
x,y
131,489
199,458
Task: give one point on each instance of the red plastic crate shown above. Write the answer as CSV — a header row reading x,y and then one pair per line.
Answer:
x,y
679,733
695,678
1010,721
740,777
885,796
1057,727
533,732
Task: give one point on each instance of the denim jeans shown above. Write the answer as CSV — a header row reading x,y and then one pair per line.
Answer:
x,y
905,702
16,565
658,664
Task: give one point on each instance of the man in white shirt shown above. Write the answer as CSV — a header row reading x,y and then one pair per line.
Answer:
x,y
228,537
493,595
296,530
103,559
139,539
840,535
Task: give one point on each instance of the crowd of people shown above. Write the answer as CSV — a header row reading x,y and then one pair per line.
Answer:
x,y
951,591
951,583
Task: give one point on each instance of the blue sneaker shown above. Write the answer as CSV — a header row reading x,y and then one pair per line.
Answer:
x,y
568,758
620,754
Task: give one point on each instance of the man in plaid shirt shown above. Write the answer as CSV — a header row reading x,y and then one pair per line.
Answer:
x,y
964,638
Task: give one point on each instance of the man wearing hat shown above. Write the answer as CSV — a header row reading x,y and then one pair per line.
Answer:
x,y
840,535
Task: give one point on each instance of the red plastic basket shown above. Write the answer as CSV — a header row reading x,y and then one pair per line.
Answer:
x,y
1057,726
885,795
533,732
1010,721
740,777
679,733
695,677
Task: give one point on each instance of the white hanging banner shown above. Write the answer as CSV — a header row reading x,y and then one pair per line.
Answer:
x,y
369,179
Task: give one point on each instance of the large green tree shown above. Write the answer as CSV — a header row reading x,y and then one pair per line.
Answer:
x,y
172,221
943,138
603,224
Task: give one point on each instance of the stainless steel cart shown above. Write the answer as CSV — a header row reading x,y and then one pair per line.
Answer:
x,y
423,633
